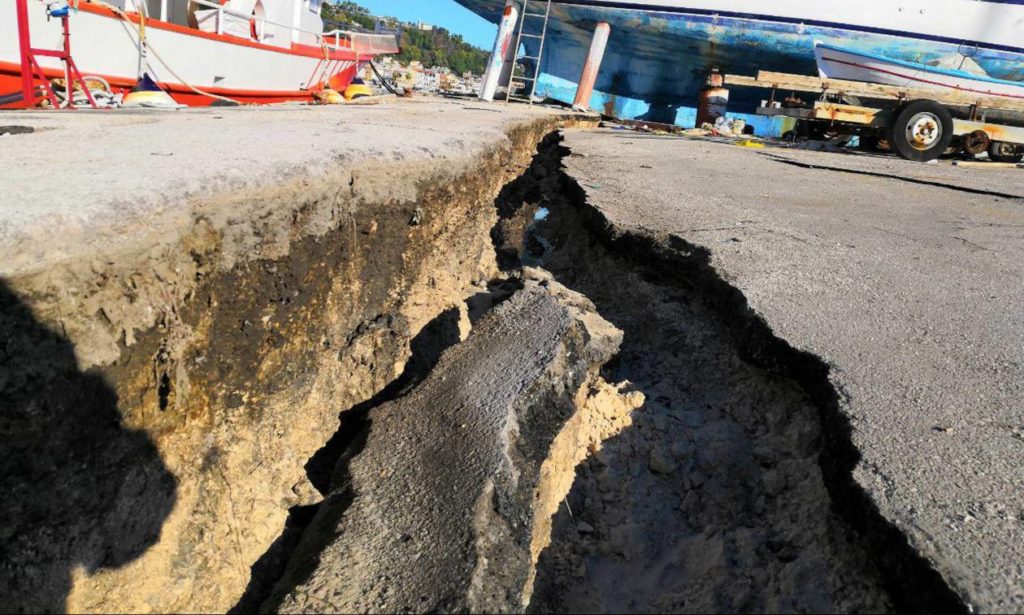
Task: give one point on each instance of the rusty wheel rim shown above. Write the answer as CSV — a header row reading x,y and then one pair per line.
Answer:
x,y
923,130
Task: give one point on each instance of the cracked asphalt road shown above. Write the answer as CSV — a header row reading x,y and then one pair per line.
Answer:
x,y
905,278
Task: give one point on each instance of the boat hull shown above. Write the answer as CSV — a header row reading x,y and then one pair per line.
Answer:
x,y
106,45
660,51
836,63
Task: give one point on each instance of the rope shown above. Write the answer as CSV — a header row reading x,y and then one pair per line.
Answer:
x,y
102,98
327,63
189,85
145,46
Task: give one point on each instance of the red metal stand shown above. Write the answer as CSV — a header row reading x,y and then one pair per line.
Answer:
x,y
30,68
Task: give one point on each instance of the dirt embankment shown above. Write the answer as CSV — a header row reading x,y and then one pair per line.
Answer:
x,y
160,407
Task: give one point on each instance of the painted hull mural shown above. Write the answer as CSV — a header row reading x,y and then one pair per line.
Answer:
x,y
660,51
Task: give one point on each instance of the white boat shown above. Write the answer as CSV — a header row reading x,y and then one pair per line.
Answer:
x,y
957,74
250,51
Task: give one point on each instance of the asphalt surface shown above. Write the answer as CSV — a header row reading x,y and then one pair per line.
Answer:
x,y
905,278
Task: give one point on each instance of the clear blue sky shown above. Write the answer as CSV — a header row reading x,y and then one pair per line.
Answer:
x,y
446,13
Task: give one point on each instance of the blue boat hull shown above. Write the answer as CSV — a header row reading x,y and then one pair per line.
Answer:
x,y
656,61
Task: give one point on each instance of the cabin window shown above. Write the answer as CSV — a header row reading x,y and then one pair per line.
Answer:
x,y
314,5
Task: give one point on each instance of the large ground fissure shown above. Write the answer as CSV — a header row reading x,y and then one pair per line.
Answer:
x,y
729,488
732,490
706,467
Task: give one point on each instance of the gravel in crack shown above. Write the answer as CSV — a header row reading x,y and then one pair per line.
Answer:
x,y
714,499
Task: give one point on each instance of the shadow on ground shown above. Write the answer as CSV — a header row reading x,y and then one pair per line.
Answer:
x,y
77,488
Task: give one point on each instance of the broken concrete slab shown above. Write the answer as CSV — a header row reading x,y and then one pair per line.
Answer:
x,y
438,511
906,291
89,185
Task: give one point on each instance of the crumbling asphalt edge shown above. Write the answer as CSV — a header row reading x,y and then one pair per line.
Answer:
x,y
913,581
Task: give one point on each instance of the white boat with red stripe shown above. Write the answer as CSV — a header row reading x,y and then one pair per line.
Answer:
x,y
955,74
250,51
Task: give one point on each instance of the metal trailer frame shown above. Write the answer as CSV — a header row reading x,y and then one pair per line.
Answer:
x,y
973,134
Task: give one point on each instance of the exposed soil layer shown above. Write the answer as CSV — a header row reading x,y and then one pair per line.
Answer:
x,y
159,408
713,501
709,493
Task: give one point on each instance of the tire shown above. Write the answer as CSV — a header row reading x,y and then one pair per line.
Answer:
x,y
922,130
999,151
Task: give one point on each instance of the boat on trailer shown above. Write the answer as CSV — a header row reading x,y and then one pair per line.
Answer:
x,y
198,51
660,51
851,65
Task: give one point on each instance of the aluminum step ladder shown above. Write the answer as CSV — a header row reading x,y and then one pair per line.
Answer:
x,y
529,82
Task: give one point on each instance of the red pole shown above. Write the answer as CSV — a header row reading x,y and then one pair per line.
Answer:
x,y
27,83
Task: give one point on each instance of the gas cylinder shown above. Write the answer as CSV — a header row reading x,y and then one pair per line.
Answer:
x,y
713,99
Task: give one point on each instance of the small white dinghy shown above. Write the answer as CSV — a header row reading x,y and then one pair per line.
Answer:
x,y
851,65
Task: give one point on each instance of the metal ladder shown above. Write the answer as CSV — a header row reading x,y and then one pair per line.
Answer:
x,y
529,83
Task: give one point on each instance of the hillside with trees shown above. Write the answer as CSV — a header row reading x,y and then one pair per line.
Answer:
x,y
437,47
347,15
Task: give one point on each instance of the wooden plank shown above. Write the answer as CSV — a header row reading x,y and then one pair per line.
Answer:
x,y
832,112
745,81
803,83
979,164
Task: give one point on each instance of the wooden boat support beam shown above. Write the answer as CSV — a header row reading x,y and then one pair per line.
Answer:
x,y
832,112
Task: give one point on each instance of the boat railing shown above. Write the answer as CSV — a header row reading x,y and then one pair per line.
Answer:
x,y
261,22
365,44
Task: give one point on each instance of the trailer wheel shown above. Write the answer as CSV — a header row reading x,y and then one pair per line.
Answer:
x,y
976,142
922,131
1000,151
